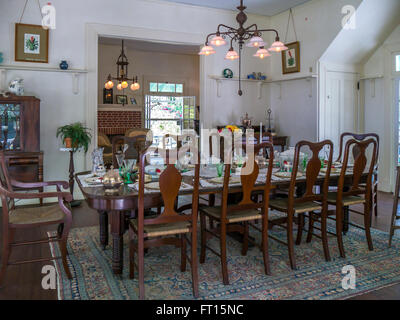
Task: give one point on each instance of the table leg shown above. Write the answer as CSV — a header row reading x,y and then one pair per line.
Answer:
x,y
117,232
74,203
103,222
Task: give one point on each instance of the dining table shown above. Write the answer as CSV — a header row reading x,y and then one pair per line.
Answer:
x,y
117,208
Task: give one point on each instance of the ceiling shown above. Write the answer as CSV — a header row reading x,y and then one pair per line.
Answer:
x,y
263,7
151,46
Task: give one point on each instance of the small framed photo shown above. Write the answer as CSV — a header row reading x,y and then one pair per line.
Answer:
x,y
31,43
121,99
133,100
291,58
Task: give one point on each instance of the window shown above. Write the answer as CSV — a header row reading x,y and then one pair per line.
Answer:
x,y
165,87
169,115
398,63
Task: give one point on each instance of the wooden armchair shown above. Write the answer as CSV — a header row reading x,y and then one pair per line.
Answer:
x,y
104,142
22,218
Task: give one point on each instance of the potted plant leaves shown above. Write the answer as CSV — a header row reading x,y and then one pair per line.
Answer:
x,y
75,136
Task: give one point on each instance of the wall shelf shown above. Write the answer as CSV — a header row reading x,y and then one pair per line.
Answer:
x,y
74,72
219,80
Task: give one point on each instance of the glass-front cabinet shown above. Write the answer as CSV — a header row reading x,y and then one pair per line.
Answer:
x,y
10,122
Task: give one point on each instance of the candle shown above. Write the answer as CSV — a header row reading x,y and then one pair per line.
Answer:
x,y
261,132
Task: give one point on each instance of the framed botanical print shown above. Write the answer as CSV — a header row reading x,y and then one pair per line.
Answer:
x,y
31,43
291,58
121,99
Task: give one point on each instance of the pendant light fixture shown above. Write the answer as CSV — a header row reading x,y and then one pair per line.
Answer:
x,y
122,77
240,35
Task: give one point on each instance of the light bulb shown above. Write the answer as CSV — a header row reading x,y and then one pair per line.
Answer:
x,y
207,50
109,84
231,55
119,86
218,41
256,42
124,84
135,86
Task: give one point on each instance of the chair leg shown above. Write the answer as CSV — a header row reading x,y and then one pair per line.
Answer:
x,y
375,200
225,277
300,229
131,255
63,248
346,218
203,238
245,245
194,265
290,241
324,233
183,252
367,225
264,246
5,255
310,226
339,230
141,265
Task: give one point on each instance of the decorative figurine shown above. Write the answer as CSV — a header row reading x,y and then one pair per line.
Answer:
x,y
17,87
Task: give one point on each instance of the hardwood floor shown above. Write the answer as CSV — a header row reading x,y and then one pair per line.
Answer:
x,y
24,281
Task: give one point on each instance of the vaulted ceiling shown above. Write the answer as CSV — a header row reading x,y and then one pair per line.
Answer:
x,y
263,7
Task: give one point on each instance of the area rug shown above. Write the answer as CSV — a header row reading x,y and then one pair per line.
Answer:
x,y
315,279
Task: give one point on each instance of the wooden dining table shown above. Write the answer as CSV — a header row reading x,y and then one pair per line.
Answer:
x,y
121,206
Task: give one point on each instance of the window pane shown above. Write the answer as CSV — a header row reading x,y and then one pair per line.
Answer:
x,y
153,86
165,107
398,63
179,88
166,87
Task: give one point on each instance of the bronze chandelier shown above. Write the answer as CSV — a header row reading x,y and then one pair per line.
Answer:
x,y
241,35
122,74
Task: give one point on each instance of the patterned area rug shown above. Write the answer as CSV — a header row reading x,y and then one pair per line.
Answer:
x,y
314,279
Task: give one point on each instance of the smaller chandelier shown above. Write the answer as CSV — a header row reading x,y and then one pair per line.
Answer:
x,y
122,74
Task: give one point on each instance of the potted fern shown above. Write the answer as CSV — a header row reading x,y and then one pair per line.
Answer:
x,y
75,136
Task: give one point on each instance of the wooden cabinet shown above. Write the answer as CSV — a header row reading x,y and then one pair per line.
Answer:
x,y
20,137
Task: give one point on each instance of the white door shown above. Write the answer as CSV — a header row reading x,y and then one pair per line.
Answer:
x,y
341,103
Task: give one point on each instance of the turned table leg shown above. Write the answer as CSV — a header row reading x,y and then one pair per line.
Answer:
x,y
74,203
117,232
103,222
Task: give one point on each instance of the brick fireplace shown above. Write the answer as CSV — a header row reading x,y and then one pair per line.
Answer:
x,y
117,122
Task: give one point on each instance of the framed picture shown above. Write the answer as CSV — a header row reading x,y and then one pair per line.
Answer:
x,y
31,43
291,58
107,96
133,100
121,99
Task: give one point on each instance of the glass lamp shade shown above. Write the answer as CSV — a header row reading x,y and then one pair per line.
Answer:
x,y
206,51
278,46
119,86
218,41
256,42
109,85
262,53
124,84
232,55
135,86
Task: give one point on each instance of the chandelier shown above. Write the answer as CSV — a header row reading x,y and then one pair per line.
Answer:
x,y
122,74
241,35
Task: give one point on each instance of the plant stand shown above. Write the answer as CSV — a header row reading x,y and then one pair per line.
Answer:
x,y
73,203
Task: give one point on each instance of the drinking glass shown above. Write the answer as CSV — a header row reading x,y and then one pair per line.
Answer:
x,y
220,168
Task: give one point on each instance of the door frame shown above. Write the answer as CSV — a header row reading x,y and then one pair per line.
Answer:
x,y
95,30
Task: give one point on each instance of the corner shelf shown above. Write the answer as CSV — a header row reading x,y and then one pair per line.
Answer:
x,y
74,72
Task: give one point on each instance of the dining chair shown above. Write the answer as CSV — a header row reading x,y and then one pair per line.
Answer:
x,y
238,217
22,218
307,200
168,228
358,191
395,211
135,146
104,142
361,137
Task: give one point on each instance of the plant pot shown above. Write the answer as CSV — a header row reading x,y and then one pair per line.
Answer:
x,y
68,143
